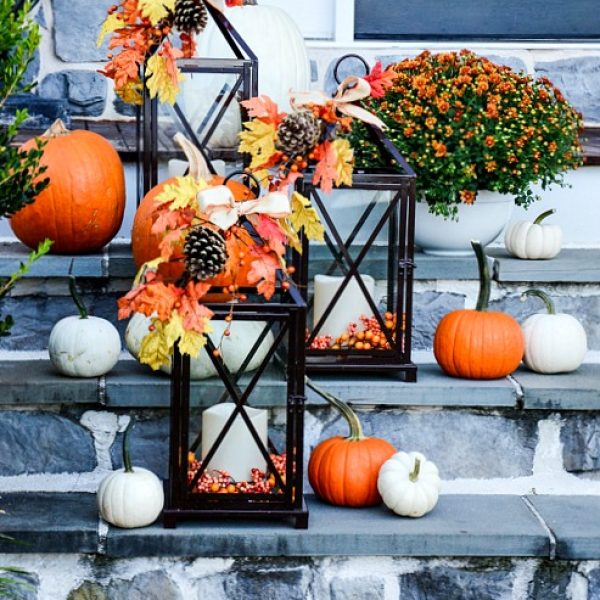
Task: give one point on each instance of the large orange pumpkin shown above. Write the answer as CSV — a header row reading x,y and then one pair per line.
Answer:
x,y
479,344
145,244
343,470
82,208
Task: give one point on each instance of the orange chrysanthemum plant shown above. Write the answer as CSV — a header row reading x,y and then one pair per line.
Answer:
x,y
141,34
329,157
466,124
263,227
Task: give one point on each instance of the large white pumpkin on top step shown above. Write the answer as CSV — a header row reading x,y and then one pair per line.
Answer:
x,y
554,342
234,348
283,62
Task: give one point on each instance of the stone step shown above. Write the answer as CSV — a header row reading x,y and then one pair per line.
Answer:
x,y
514,434
441,285
555,527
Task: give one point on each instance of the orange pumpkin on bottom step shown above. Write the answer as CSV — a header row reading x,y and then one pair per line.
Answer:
x,y
477,344
144,243
344,471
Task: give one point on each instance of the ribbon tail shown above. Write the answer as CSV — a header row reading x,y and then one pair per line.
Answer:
x,y
357,112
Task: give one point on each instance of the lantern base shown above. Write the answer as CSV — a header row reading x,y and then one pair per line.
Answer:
x,y
332,362
171,516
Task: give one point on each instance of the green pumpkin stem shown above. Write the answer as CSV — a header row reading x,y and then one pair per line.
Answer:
x,y
356,430
541,217
543,297
484,277
414,474
83,312
126,455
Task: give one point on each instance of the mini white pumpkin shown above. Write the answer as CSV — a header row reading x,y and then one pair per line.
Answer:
x,y
533,241
554,343
409,484
234,348
130,497
83,346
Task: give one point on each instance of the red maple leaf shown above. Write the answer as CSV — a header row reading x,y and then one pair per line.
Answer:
x,y
380,80
325,171
270,231
262,107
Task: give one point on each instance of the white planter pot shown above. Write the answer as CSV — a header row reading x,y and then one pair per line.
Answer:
x,y
484,221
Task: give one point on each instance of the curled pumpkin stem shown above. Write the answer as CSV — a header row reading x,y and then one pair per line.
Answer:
x,y
356,430
544,215
483,299
126,456
543,297
83,311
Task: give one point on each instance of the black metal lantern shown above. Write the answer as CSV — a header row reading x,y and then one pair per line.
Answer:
x,y
198,486
359,284
199,116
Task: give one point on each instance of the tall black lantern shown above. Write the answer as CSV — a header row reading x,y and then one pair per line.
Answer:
x,y
207,433
358,284
199,114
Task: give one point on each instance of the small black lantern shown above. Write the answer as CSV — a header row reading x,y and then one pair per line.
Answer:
x,y
198,486
199,116
359,284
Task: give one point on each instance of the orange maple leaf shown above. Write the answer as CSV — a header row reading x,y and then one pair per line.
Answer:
x,y
264,270
262,107
325,171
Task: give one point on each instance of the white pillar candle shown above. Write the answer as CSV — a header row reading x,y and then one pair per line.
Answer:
x,y
349,307
238,453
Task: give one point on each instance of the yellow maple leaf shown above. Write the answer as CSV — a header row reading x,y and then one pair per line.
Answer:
x,y
159,81
154,350
156,10
131,92
182,193
344,161
258,140
293,239
191,342
173,329
110,24
304,216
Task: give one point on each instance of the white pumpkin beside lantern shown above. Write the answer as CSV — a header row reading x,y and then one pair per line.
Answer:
x,y
533,240
409,484
554,342
275,39
130,497
234,347
82,345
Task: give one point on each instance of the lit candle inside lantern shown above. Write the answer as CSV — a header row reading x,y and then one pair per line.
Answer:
x,y
349,307
238,453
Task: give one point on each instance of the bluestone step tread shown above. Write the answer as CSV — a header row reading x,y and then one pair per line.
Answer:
x,y
575,522
579,390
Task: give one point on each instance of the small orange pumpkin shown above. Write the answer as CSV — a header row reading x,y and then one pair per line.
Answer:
x,y
478,344
145,244
82,208
344,470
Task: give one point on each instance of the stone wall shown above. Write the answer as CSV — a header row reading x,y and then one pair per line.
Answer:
x,y
67,63
77,577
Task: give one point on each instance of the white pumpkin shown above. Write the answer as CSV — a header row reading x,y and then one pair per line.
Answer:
x,y
83,346
283,61
554,342
409,484
234,348
533,241
130,497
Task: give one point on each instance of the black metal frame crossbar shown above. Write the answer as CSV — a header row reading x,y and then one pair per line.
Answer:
x,y
286,317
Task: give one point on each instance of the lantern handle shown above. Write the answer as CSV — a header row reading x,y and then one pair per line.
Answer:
x,y
246,175
340,60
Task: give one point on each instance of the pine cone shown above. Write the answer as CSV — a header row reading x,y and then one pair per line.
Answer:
x,y
191,16
298,133
205,254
